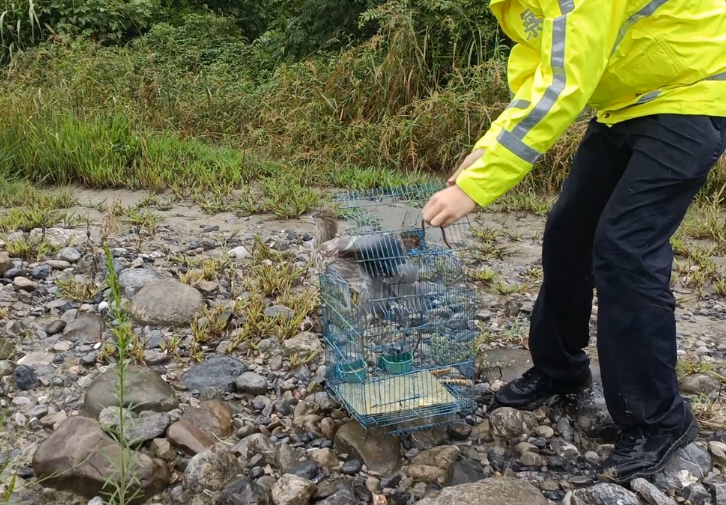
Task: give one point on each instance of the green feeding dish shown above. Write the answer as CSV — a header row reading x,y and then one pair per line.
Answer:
x,y
398,363
354,372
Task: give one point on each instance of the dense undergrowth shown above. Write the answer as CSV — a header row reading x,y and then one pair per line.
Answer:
x,y
194,106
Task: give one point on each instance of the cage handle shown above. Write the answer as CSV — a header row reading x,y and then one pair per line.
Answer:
x,y
443,233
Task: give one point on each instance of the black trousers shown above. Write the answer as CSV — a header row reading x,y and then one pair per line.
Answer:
x,y
628,191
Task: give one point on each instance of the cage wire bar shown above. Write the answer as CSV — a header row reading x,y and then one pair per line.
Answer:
x,y
399,350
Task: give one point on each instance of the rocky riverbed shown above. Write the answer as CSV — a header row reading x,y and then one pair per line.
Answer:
x,y
224,396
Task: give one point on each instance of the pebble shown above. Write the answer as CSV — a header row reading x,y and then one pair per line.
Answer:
x,y
351,467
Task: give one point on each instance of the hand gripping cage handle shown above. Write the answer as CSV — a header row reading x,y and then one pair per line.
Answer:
x,y
443,232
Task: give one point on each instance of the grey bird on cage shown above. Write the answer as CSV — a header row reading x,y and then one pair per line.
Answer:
x,y
371,264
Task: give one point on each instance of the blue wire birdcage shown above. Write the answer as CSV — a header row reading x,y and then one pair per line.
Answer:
x,y
400,353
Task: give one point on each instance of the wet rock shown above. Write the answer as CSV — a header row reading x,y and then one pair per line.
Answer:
x,y
351,467
187,437
697,384
459,430
306,469
25,378
144,390
131,280
510,423
210,470
650,493
166,303
604,494
243,491
251,383
303,344
213,417
85,329
491,491
687,466
79,457
381,454
465,471
87,360
219,372
292,490
7,349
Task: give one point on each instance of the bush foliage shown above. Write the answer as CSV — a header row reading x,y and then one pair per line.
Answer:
x,y
184,94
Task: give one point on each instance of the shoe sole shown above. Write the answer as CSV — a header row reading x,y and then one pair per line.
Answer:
x,y
549,401
688,437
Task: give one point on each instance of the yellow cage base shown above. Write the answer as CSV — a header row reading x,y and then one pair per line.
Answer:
x,y
397,394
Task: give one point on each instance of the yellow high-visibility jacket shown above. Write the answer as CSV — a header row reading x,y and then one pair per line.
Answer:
x,y
623,58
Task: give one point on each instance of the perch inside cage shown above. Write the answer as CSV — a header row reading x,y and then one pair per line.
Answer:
x,y
398,320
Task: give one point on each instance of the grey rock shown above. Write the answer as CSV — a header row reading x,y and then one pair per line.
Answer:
x,y
303,344
279,311
219,372
7,349
698,495
381,454
68,254
243,491
593,417
719,493
148,426
5,263
254,444
306,469
650,493
252,383
24,284
6,368
685,467
210,470
510,423
697,384
491,491
342,497
131,280
145,390
166,303
25,378
86,328
604,494
464,472
565,429
79,457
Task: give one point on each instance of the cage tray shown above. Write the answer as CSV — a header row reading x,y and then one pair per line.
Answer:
x,y
397,394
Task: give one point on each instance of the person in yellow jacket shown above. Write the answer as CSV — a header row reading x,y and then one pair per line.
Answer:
x,y
655,72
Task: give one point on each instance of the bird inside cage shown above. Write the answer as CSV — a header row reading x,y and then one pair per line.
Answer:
x,y
370,264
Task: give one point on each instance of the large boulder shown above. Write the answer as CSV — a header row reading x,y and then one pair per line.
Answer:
x,y
144,390
131,280
79,457
166,303
492,491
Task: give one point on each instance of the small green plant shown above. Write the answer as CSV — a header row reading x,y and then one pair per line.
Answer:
x,y
76,290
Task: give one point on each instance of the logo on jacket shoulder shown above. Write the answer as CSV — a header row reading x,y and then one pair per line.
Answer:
x,y
531,23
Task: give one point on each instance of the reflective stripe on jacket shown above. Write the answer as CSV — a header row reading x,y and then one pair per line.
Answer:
x,y
623,58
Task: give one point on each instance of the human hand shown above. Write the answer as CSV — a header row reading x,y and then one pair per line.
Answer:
x,y
471,158
448,206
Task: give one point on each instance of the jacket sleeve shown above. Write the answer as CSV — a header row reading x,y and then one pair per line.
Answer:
x,y
577,37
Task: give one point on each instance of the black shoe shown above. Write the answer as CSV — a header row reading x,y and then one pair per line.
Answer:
x,y
643,452
534,389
